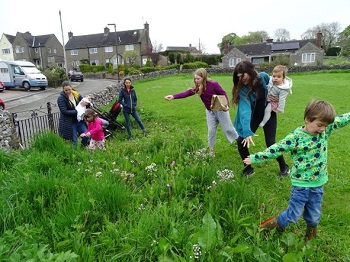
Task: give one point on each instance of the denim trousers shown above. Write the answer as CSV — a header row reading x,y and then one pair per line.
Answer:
x,y
79,128
128,123
306,201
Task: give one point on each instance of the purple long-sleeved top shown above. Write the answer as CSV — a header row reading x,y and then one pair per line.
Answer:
x,y
213,88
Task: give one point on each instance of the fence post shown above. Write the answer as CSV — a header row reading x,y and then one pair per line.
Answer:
x,y
50,117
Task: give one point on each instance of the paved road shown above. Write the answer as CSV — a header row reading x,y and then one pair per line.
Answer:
x,y
18,100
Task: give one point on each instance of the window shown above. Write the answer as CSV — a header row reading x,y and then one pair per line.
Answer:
x,y
75,64
108,60
94,62
54,51
93,50
49,50
233,61
50,59
6,51
36,50
129,47
19,49
74,52
108,49
308,57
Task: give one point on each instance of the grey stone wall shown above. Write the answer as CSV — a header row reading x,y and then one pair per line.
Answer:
x,y
8,135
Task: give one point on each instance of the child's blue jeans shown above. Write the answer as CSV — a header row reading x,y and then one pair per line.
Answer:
x,y
306,201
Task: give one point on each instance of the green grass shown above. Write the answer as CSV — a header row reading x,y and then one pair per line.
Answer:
x,y
162,198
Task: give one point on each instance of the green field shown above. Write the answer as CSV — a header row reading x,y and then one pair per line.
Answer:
x,y
162,197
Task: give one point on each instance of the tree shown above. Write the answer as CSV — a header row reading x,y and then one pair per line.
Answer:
x,y
130,56
330,34
155,53
252,38
230,39
281,35
344,41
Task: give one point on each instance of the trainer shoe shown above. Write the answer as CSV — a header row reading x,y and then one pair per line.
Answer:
x,y
284,172
270,224
248,171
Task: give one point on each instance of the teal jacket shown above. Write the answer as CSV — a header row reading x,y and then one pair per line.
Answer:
x,y
246,106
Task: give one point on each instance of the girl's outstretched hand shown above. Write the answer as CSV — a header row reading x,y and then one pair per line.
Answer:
x,y
247,141
169,97
247,161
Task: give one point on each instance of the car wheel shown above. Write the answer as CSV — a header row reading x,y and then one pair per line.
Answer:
x,y
26,86
42,88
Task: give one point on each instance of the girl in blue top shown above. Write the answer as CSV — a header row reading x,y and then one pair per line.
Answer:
x,y
249,94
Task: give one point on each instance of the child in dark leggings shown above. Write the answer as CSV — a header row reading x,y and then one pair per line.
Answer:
x,y
249,94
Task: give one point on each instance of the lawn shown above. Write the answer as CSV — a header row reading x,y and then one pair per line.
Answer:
x,y
162,197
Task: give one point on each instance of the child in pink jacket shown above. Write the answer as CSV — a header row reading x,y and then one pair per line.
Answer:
x,y
95,130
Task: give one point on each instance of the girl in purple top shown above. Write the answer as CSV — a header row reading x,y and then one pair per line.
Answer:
x,y
205,89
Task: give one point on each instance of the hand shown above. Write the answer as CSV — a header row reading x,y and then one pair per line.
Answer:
x,y
247,161
247,141
82,135
169,97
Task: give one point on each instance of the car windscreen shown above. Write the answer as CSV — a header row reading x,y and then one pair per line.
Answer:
x,y
30,70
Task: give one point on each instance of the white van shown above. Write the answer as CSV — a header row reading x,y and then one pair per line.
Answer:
x,y
21,73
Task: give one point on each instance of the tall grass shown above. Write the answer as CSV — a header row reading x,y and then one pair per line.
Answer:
x,y
163,198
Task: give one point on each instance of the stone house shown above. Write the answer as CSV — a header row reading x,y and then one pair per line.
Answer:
x,y
100,49
42,50
300,52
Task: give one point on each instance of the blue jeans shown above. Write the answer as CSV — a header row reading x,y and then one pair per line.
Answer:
x,y
79,128
306,201
128,123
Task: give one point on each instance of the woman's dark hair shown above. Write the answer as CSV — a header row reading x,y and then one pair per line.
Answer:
x,y
244,67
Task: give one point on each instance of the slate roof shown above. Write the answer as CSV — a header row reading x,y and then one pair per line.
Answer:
x,y
11,38
261,49
33,41
102,39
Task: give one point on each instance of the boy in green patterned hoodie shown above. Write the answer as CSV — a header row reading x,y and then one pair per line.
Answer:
x,y
308,147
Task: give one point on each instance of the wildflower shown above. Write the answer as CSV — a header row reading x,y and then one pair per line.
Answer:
x,y
172,163
151,168
98,174
197,251
225,175
141,207
168,185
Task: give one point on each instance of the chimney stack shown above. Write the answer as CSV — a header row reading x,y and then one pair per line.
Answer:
x,y
319,39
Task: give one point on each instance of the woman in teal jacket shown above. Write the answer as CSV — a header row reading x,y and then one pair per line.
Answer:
x,y
249,94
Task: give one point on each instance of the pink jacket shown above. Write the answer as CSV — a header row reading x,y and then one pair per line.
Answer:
x,y
95,130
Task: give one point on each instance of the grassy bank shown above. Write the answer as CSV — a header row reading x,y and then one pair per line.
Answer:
x,y
163,198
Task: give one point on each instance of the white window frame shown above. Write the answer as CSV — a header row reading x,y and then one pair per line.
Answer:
x,y
94,61
19,49
129,47
308,57
109,49
233,61
92,50
50,59
74,52
6,51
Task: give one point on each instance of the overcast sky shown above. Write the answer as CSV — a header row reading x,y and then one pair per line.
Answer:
x,y
172,23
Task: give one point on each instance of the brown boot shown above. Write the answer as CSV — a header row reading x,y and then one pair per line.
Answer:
x,y
311,233
270,224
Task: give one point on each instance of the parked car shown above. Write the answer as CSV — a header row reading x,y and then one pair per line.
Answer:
x,y
2,105
77,76
2,86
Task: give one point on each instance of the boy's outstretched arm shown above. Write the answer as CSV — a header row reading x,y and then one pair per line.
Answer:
x,y
247,161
